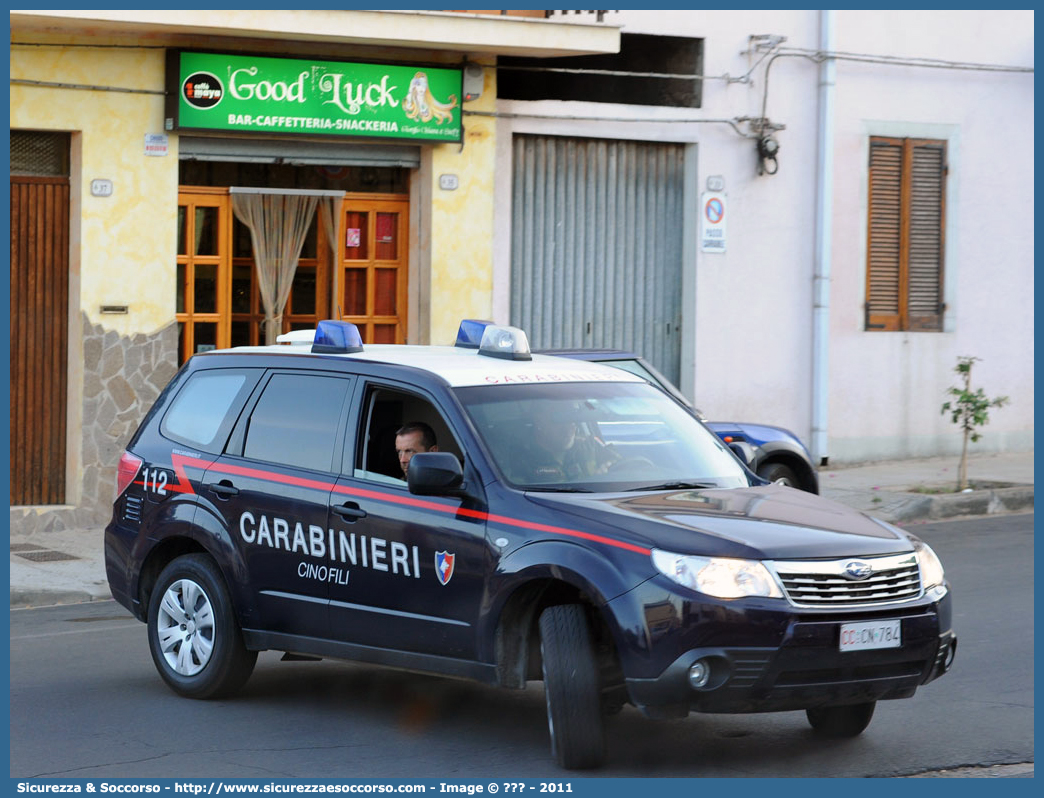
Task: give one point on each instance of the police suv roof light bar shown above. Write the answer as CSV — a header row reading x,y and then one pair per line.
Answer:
x,y
336,338
493,340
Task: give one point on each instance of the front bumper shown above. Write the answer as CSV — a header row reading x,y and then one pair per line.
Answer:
x,y
789,660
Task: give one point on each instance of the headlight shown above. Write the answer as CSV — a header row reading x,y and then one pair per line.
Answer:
x,y
931,567
717,576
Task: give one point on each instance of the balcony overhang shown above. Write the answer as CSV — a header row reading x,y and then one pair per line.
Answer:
x,y
478,34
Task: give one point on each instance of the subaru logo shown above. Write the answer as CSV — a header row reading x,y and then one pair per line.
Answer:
x,y
857,569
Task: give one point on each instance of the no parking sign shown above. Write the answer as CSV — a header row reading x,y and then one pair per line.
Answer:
x,y
712,221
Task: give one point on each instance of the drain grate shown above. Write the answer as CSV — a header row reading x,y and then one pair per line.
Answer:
x,y
16,547
46,556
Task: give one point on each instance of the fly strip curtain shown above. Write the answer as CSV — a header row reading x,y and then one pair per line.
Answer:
x,y
278,221
596,245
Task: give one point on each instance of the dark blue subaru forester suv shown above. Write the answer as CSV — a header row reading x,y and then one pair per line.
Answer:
x,y
567,523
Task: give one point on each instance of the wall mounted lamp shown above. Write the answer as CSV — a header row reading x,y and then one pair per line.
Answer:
x,y
768,149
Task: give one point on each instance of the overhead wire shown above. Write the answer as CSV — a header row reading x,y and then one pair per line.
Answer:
x,y
759,125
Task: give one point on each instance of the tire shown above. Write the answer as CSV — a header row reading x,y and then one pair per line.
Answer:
x,y
846,721
198,649
572,688
780,474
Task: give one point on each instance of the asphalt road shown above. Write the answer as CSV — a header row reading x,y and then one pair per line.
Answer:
x,y
86,702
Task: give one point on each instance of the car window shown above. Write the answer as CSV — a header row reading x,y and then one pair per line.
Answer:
x,y
295,420
387,410
640,369
204,410
596,437
634,367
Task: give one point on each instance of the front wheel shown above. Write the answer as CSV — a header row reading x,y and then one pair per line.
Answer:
x,y
846,721
194,638
572,687
780,474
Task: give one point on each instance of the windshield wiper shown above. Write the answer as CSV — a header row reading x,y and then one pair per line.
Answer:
x,y
674,486
555,489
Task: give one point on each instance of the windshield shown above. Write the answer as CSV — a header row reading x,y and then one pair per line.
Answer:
x,y
597,437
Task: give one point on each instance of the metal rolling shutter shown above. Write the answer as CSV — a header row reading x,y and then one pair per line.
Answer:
x,y
596,251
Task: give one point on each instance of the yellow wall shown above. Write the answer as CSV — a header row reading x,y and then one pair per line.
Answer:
x,y
127,240
462,223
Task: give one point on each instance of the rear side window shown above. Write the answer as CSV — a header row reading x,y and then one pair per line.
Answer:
x,y
295,421
203,412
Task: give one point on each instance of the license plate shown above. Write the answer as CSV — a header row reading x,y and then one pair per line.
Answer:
x,y
871,634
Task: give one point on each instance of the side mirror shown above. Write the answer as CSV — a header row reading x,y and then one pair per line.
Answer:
x,y
435,474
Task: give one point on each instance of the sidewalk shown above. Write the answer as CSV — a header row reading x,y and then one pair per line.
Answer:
x,y
68,567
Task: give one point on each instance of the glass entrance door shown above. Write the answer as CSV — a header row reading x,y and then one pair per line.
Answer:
x,y
204,226
309,294
358,272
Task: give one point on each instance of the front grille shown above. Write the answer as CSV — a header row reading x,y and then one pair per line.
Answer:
x,y
826,584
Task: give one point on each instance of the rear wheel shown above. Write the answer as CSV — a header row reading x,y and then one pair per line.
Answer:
x,y
572,687
196,644
846,721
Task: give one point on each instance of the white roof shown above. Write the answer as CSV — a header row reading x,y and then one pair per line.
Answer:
x,y
464,367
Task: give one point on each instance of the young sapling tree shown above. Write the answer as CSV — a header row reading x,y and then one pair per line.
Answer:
x,y
969,410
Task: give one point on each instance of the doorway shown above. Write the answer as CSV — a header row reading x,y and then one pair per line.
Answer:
x,y
39,316
353,265
598,232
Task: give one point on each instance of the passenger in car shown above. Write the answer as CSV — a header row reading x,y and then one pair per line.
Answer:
x,y
413,438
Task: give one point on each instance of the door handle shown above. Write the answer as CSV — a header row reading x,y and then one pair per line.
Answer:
x,y
224,489
350,511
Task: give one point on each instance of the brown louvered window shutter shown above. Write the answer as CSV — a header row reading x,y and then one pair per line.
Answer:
x,y
905,234
925,258
884,247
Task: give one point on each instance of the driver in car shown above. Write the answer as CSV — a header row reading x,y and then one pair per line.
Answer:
x,y
558,453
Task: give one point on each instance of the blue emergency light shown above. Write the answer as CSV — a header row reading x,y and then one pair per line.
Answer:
x,y
469,336
336,338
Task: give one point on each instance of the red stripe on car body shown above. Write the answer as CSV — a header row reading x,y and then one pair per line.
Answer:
x,y
184,486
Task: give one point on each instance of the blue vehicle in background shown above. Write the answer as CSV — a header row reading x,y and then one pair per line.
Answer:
x,y
773,453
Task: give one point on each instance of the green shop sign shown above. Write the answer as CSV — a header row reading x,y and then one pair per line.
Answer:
x,y
251,94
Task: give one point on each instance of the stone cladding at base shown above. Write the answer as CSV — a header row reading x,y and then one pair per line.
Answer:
x,y
122,376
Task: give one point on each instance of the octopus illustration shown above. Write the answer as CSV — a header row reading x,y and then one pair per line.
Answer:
x,y
419,103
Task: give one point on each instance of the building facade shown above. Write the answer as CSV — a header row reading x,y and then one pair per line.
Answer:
x,y
801,217
830,260
163,165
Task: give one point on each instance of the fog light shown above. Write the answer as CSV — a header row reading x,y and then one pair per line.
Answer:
x,y
699,674
950,654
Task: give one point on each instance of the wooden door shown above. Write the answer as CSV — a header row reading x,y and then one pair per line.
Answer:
x,y
39,338
204,271
372,266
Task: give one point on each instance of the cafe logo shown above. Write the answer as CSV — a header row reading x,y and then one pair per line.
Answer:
x,y
202,90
